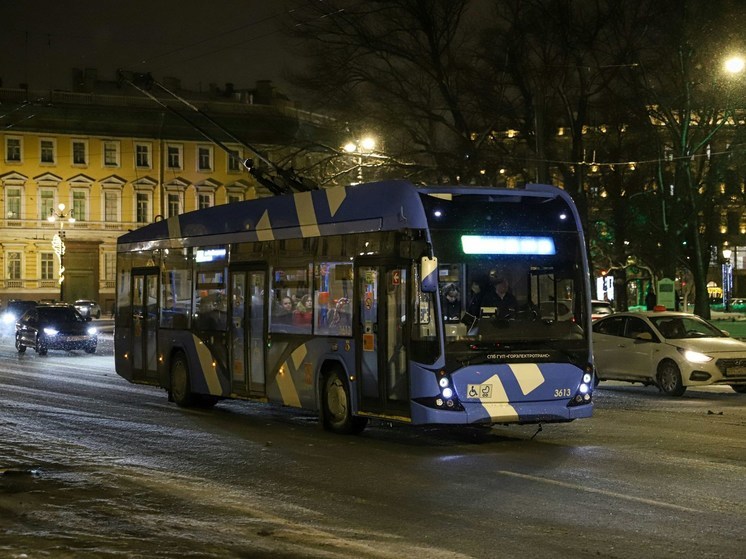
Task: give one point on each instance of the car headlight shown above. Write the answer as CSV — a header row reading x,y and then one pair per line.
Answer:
x,y
695,356
92,331
51,331
8,318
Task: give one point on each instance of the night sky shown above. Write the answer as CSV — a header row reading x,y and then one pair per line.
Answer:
x,y
198,41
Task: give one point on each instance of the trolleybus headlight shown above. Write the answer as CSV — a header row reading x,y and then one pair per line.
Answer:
x,y
443,382
447,393
584,388
439,402
587,378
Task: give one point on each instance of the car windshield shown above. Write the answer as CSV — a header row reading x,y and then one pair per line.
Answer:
x,y
59,314
677,327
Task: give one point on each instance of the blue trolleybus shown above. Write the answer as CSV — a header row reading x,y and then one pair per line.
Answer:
x,y
423,305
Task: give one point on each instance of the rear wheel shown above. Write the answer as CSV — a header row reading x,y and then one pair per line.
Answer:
x,y
181,387
337,407
740,388
669,379
19,346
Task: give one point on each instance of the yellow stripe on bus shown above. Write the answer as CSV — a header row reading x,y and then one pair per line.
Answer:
x,y
264,229
498,407
209,367
287,387
528,375
335,197
309,226
174,227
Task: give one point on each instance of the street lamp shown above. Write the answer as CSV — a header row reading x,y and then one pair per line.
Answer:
x,y
734,65
362,147
58,241
726,278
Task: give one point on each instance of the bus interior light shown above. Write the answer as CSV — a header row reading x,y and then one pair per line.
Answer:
x,y
508,244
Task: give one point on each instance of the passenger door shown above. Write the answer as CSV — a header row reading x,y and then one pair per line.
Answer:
x,y
144,321
247,331
382,338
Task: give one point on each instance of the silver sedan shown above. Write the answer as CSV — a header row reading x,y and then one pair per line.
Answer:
x,y
671,350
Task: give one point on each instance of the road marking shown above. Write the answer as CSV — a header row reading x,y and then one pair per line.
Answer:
x,y
599,491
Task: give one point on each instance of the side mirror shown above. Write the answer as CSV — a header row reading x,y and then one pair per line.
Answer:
x,y
644,337
429,274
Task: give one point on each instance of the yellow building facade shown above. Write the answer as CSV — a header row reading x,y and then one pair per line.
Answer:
x,y
110,181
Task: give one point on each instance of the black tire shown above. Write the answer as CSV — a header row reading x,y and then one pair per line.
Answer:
x,y
181,386
337,406
41,347
19,346
669,379
740,388
98,314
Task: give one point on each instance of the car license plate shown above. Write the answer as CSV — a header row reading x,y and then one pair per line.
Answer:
x,y
76,338
735,372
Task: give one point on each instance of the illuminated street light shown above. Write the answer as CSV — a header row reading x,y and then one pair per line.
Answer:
x,y
361,147
727,253
58,241
734,64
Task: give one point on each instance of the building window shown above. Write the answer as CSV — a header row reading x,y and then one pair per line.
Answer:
x,y
46,148
204,158
234,158
111,154
80,205
13,203
80,152
110,266
174,157
174,204
46,203
143,207
13,150
47,265
111,206
204,200
14,265
142,156
234,198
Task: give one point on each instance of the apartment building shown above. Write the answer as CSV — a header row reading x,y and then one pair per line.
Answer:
x,y
86,167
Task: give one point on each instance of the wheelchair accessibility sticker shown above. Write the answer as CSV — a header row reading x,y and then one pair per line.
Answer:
x,y
481,391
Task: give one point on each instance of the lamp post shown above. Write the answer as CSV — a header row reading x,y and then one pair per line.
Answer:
x,y
361,147
726,278
58,241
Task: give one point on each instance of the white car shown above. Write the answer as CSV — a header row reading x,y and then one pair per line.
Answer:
x,y
671,350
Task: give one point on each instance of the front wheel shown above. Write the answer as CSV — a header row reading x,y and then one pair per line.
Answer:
x,y
740,388
19,346
337,406
181,386
669,379
41,347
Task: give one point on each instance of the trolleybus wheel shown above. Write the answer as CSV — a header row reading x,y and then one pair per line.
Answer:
x,y
181,388
669,379
337,406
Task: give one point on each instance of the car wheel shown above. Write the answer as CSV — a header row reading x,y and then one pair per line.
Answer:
x,y
740,388
19,346
181,387
98,314
336,406
669,379
41,347
90,349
